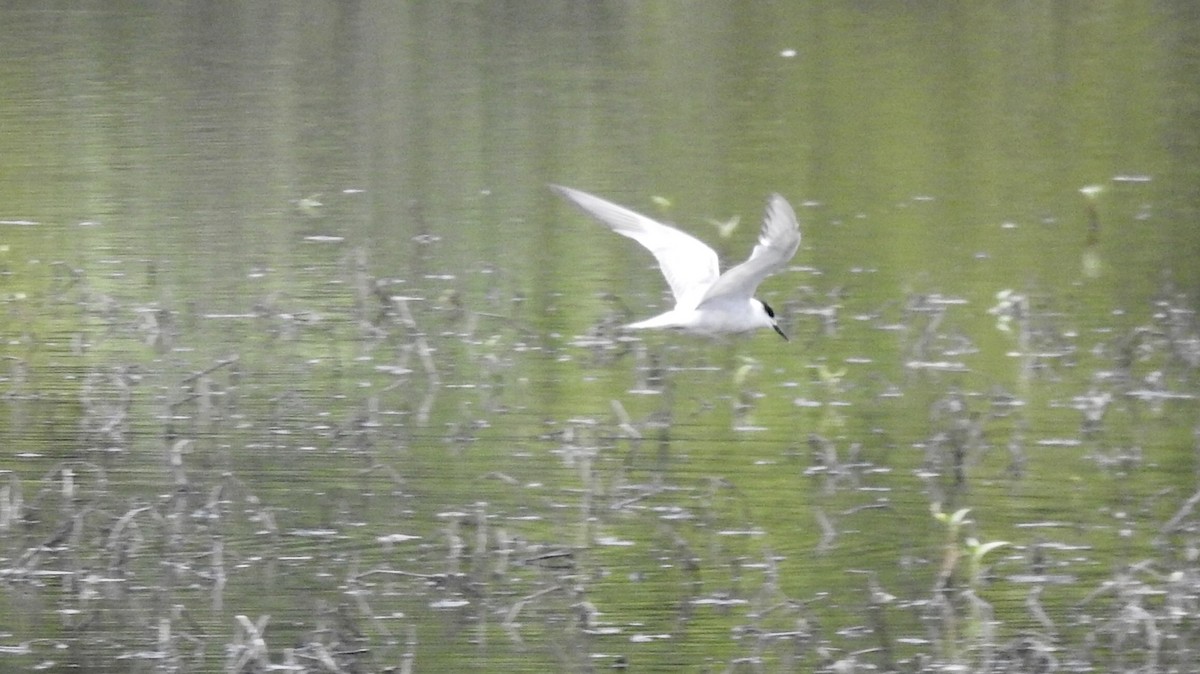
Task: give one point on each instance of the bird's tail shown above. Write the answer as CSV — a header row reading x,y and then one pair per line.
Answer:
x,y
661,321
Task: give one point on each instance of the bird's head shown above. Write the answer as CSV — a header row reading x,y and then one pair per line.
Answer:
x,y
771,319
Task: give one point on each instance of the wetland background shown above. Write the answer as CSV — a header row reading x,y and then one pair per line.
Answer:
x,y
305,368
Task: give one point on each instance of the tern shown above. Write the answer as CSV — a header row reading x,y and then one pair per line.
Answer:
x,y
707,302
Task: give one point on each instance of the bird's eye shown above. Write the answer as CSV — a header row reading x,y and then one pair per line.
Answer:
x,y
770,311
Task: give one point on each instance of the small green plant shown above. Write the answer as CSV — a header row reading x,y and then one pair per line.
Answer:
x,y
953,597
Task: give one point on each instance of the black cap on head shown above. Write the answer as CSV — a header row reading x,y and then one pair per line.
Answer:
x,y
771,313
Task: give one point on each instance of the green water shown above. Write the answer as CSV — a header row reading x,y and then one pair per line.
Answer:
x,y
212,403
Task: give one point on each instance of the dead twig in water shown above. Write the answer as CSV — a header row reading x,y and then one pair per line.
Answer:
x,y
426,356
510,619
1184,511
252,647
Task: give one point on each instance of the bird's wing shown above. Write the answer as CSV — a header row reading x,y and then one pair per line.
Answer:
x,y
688,264
777,243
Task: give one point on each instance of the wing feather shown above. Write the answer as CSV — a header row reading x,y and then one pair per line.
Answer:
x,y
688,264
777,243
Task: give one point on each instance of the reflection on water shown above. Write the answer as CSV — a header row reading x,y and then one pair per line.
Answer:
x,y
304,367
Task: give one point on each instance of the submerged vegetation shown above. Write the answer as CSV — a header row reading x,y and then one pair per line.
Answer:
x,y
363,481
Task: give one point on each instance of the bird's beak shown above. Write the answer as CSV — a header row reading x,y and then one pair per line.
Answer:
x,y
776,326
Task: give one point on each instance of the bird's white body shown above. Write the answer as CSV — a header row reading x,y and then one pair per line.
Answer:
x,y
723,316
706,301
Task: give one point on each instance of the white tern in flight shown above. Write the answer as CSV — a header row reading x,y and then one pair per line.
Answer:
x,y
707,302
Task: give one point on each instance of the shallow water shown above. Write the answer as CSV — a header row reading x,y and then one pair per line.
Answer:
x,y
304,366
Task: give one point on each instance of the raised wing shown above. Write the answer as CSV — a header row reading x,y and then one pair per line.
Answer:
x,y
777,243
689,265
